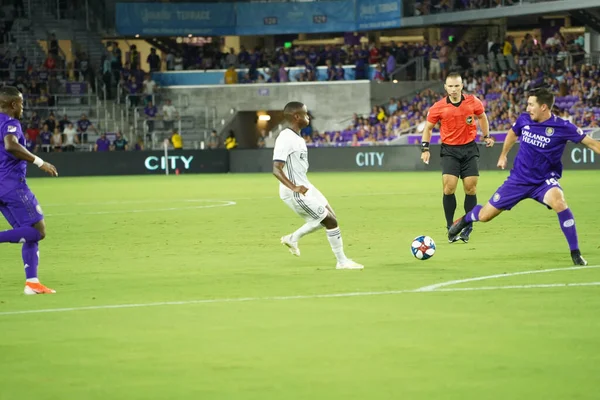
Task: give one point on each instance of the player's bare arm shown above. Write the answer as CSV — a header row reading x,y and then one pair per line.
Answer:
x,y
509,142
12,145
592,144
484,124
278,172
425,142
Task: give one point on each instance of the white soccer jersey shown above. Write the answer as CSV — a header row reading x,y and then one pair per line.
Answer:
x,y
291,149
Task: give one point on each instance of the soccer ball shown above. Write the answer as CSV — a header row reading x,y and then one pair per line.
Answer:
x,y
423,247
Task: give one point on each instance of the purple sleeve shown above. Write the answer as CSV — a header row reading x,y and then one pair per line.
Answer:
x,y
518,125
12,127
574,134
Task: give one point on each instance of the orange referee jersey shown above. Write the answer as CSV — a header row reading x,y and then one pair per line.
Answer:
x,y
457,120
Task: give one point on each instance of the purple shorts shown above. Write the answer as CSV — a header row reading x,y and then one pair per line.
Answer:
x,y
510,193
20,207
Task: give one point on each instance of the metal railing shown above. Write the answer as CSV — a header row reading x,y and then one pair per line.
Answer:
x,y
402,72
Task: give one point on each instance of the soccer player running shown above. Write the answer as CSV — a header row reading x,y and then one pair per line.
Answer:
x,y
537,168
459,152
290,165
17,203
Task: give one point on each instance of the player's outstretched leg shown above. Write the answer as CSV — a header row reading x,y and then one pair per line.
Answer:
x,y
477,214
567,224
334,236
291,240
23,234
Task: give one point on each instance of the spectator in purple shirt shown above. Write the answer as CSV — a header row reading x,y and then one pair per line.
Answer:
x,y
45,138
340,74
150,112
300,56
133,89
102,144
243,57
390,64
82,128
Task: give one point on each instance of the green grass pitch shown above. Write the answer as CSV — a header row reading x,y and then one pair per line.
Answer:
x,y
214,239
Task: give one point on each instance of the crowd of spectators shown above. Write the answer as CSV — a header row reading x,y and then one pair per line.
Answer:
x,y
427,7
504,96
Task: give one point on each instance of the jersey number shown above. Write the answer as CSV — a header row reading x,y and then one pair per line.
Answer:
x,y
551,182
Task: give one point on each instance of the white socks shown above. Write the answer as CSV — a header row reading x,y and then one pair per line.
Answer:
x,y
337,245
305,229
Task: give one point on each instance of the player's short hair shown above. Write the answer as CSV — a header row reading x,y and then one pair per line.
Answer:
x,y
543,96
453,75
8,94
292,107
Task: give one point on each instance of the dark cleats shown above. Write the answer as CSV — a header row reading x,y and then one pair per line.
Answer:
x,y
466,233
577,259
456,228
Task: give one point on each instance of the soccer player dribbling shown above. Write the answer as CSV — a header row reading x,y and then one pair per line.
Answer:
x,y
290,165
17,203
459,151
536,170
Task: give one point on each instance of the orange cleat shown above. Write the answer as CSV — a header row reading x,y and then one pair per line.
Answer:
x,y
37,288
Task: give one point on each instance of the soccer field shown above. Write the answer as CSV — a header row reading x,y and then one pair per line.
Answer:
x,y
178,288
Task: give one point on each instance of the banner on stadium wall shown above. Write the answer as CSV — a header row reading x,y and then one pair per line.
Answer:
x,y
227,18
296,17
76,87
175,19
135,163
395,158
362,158
377,14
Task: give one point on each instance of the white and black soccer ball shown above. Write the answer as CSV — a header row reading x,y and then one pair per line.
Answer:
x,y
423,247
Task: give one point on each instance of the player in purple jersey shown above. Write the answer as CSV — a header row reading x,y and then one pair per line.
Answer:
x,y
17,203
537,168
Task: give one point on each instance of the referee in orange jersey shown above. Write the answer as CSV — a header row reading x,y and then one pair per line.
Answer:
x,y
460,155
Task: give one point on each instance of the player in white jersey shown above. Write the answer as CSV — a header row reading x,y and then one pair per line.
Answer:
x,y
290,164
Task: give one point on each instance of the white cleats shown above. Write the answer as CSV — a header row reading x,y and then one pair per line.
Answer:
x,y
292,246
349,264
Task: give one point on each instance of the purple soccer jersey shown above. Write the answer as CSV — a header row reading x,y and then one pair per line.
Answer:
x,y
541,149
538,164
12,170
17,203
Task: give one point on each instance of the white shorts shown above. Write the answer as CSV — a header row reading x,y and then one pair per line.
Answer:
x,y
311,206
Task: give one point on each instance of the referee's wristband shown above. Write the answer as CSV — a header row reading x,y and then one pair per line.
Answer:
x,y
424,146
38,161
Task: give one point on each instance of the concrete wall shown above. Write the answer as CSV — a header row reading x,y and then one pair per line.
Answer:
x,y
331,103
382,92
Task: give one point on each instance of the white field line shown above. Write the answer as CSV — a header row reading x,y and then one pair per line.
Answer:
x,y
331,295
437,286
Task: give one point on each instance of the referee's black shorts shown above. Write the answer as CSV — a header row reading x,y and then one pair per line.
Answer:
x,y
461,160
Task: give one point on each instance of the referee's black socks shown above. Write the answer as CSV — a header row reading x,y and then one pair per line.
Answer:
x,y
450,207
470,202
